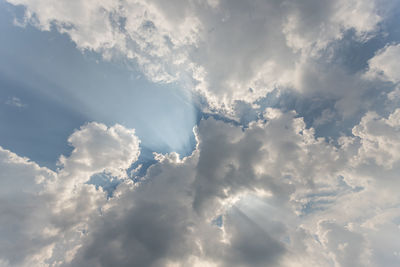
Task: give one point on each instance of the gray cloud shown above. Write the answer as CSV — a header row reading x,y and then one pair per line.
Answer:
x,y
44,213
282,197
271,193
218,48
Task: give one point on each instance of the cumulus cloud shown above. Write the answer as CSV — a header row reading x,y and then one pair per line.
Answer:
x,y
26,235
270,195
98,148
226,50
385,64
282,197
45,213
380,138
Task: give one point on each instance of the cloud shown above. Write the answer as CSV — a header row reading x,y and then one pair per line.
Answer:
x,y
270,193
284,197
226,50
45,213
385,64
98,148
281,196
26,234
15,101
380,138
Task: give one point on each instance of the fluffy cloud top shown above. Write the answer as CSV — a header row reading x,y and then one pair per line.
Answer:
x,y
98,148
380,137
227,50
282,197
268,193
45,213
385,64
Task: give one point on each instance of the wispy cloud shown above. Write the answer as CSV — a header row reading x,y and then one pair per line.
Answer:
x,y
15,102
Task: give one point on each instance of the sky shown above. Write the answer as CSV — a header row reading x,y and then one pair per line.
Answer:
x,y
199,133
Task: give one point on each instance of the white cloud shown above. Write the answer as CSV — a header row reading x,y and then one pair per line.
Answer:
x,y
98,148
270,194
285,197
44,214
380,138
282,195
313,24
220,48
385,64
24,217
15,101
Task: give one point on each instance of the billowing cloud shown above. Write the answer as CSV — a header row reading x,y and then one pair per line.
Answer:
x,y
25,231
98,148
264,189
227,50
380,138
385,64
270,195
45,213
